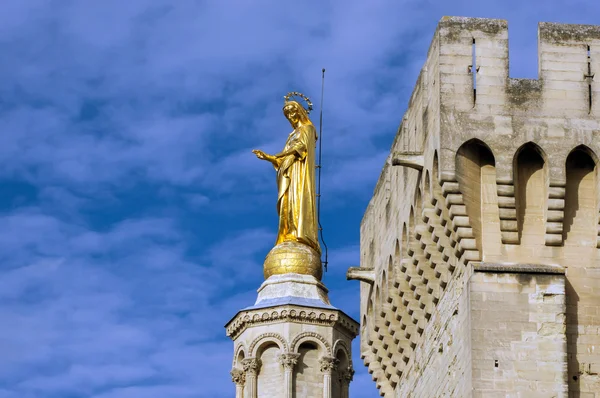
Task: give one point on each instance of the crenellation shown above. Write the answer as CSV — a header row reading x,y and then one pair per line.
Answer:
x,y
489,168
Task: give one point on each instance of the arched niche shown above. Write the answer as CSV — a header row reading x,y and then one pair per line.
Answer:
x,y
240,355
385,283
581,206
305,384
476,175
435,169
265,339
378,302
403,258
269,382
530,172
344,365
427,187
389,279
418,202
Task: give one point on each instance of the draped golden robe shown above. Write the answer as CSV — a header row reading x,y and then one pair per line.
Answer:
x,y
296,201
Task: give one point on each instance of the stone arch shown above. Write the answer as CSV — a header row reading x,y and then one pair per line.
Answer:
x,y
530,175
390,274
418,201
581,204
239,354
403,247
427,186
435,169
267,338
535,147
589,151
370,306
385,275
411,218
475,171
340,345
313,338
378,305
411,228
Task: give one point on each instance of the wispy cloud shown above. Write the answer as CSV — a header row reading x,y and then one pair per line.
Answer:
x,y
135,218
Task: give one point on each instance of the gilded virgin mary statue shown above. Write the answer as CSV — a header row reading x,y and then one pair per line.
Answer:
x,y
297,247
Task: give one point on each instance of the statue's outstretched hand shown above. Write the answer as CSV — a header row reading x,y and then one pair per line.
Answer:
x,y
259,154
271,158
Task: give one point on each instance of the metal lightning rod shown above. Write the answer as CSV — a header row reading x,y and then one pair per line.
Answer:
x,y
319,168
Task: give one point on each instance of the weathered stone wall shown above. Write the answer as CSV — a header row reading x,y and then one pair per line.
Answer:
x,y
441,366
518,333
488,168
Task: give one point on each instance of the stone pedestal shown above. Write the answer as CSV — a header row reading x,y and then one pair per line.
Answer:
x,y
296,286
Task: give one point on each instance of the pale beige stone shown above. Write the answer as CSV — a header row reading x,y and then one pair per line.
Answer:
x,y
485,223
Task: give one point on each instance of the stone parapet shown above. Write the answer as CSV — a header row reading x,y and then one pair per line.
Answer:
x,y
491,175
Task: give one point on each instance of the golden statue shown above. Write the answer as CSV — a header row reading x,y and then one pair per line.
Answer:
x,y
297,247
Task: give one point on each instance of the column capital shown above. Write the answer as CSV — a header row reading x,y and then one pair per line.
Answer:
x,y
238,376
328,364
346,375
251,365
288,360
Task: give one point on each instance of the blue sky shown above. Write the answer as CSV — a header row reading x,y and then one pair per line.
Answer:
x,y
135,218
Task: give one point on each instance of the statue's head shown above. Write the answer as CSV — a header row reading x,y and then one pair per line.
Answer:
x,y
295,112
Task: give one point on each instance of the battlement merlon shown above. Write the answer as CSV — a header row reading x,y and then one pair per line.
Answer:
x,y
449,103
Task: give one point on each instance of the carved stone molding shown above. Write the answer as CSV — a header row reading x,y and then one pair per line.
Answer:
x,y
289,360
268,336
313,316
328,364
238,376
310,336
251,366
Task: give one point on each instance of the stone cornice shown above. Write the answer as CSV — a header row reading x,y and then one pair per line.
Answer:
x,y
291,313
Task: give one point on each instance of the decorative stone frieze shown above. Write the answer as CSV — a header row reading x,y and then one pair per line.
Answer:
x,y
313,316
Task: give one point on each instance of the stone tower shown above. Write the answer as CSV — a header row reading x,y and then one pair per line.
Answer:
x,y
480,250
292,343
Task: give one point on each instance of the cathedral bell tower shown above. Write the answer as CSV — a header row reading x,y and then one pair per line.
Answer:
x,y
292,342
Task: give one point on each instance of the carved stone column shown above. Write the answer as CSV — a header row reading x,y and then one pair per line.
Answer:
x,y
251,368
328,365
288,361
346,376
239,378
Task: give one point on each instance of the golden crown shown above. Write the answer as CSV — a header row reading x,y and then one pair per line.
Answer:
x,y
300,95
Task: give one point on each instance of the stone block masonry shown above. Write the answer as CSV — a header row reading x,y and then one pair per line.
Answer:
x,y
480,260
518,332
